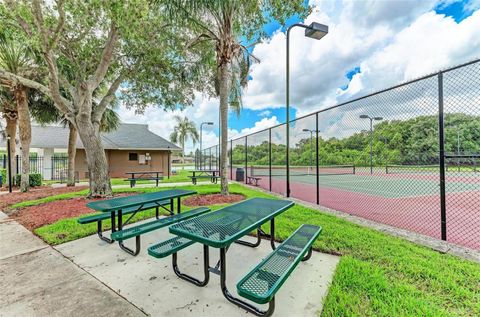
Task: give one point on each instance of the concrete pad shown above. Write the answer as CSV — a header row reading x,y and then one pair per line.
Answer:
x,y
44,283
151,284
16,239
3,216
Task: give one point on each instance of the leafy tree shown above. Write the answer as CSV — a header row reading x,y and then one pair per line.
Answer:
x,y
184,130
407,142
221,27
105,44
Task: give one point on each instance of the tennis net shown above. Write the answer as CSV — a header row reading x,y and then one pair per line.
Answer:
x,y
411,169
302,170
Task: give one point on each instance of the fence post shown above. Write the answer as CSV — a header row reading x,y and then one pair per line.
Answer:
x,y
270,158
441,140
231,159
246,161
316,160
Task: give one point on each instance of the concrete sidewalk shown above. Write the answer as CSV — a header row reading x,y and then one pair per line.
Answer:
x,y
151,284
36,280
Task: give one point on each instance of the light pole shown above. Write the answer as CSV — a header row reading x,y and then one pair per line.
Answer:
x,y
9,168
315,31
365,116
201,127
311,146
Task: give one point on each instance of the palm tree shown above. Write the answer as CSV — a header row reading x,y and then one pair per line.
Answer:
x,y
184,130
220,27
18,60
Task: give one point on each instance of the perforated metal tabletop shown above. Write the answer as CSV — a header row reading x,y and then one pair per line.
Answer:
x,y
221,228
129,201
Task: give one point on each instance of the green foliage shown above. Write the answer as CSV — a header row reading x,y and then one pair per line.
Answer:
x,y
34,179
413,141
3,174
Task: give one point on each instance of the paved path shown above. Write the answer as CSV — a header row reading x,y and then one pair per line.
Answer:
x,y
37,280
152,285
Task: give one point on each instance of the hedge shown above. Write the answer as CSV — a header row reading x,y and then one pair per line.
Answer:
x,y
34,179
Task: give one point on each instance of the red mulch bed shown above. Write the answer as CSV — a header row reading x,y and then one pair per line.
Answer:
x,y
40,215
212,199
34,193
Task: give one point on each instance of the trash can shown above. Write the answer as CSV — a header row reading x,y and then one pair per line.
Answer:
x,y
240,175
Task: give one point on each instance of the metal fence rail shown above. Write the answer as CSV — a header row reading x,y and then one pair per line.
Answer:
x,y
57,170
406,156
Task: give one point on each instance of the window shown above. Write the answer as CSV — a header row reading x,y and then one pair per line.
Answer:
x,y
133,156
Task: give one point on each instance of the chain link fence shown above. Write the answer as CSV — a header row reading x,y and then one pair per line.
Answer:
x,y
406,156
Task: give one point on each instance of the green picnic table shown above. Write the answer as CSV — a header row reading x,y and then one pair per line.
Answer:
x,y
212,174
220,229
132,205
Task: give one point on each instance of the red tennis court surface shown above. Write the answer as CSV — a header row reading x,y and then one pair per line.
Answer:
x,y
399,207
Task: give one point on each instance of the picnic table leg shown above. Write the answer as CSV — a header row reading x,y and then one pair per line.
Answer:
x,y
100,234
157,212
171,207
237,301
206,265
272,233
249,244
178,205
120,243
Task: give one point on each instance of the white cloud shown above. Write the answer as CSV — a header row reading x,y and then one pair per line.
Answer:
x,y
392,41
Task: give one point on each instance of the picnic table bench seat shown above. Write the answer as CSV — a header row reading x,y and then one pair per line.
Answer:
x,y
262,283
214,179
98,218
138,230
133,180
168,247
253,179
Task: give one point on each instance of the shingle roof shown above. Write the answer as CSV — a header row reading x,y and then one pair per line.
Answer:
x,y
128,136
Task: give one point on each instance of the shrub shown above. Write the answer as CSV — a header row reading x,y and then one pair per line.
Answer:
x,y
3,174
34,179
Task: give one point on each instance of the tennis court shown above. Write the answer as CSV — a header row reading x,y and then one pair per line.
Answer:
x,y
404,197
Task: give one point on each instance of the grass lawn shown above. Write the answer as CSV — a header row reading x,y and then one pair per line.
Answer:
x,y
378,275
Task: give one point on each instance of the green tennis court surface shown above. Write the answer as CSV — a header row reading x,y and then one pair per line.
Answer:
x,y
382,185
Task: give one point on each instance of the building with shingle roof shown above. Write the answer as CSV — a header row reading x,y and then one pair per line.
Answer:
x,y
130,148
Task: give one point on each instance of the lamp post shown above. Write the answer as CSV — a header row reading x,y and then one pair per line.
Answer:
x,y
311,146
201,127
365,116
9,162
315,31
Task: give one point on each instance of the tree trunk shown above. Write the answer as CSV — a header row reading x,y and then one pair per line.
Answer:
x,y
96,159
72,149
25,133
11,129
224,80
183,154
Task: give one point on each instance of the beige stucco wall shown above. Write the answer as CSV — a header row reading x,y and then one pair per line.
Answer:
x,y
119,164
